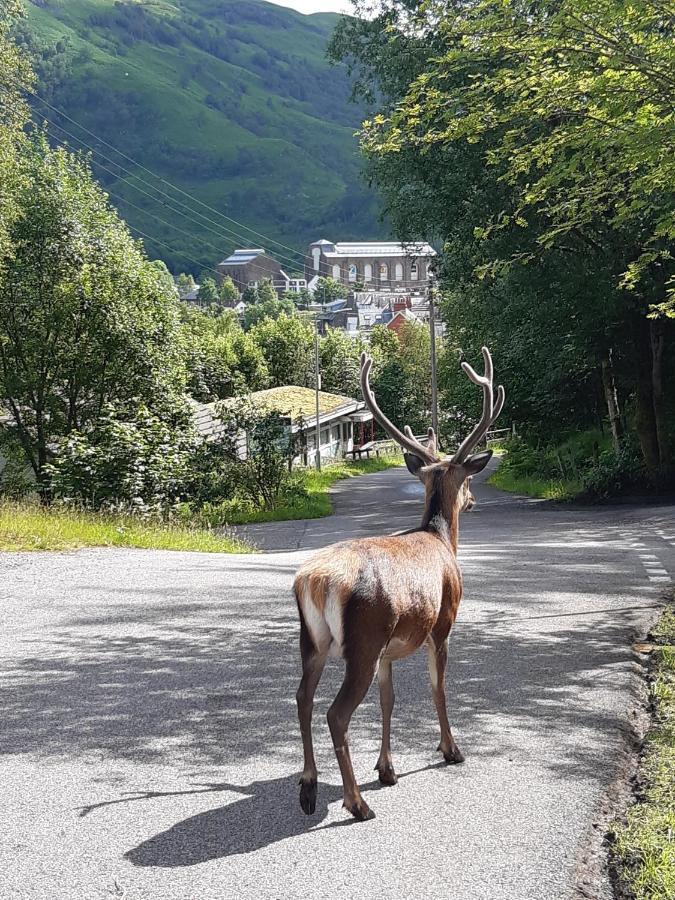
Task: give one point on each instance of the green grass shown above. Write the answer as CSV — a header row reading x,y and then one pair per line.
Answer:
x,y
32,527
317,502
644,846
544,488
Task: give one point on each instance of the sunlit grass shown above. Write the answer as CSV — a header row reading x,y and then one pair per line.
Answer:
x,y
644,847
530,486
33,527
317,502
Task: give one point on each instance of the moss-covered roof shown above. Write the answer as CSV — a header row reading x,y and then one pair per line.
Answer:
x,y
295,402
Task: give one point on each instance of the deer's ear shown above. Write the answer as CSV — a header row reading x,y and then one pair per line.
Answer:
x,y
476,463
414,463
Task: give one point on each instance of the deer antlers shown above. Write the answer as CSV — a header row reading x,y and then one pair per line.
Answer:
x,y
491,407
407,440
429,454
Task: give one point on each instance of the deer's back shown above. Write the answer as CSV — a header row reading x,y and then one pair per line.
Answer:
x,y
406,584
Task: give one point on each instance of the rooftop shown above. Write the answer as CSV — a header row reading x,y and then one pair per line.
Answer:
x,y
295,401
380,248
241,257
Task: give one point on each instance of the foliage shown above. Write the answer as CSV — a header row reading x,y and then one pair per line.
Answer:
x,y
266,309
228,291
328,289
339,362
185,283
512,135
643,849
233,103
307,497
616,473
208,292
401,380
85,319
135,461
260,474
15,75
287,344
34,527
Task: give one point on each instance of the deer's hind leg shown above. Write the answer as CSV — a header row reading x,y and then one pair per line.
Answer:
x,y
385,766
313,662
367,630
438,659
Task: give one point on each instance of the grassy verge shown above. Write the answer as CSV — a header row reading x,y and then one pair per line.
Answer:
x,y
31,527
644,847
316,502
531,486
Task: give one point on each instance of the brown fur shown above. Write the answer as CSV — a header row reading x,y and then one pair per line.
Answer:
x,y
379,599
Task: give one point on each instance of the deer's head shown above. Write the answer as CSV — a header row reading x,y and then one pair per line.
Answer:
x,y
447,480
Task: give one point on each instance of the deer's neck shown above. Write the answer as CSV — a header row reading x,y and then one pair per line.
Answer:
x,y
441,512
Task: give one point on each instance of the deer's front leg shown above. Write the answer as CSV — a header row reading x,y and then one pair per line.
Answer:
x,y
438,658
385,766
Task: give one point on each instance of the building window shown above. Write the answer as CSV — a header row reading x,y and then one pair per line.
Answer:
x,y
413,271
336,273
384,271
399,272
353,272
367,272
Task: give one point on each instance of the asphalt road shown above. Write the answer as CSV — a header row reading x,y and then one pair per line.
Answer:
x,y
149,746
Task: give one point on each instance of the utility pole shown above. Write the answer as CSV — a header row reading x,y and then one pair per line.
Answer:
x,y
317,380
432,338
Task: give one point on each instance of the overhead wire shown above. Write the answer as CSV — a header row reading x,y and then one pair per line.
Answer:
x,y
171,200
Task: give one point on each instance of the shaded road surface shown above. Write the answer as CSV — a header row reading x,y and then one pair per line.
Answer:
x,y
149,746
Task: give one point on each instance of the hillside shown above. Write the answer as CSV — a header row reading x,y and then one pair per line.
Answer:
x,y
233,101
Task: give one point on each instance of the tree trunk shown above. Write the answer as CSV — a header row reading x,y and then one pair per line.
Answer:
x,y
609,387
645,421
657,339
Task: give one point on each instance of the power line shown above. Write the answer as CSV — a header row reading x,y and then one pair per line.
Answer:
x,y
223,228
159,177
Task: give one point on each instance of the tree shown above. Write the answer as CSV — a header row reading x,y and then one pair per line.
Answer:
x,y
186,284
250,295
266,291
85,319
15,75
267,309
227,290
328,289
555,155
339,359
208,292
287,343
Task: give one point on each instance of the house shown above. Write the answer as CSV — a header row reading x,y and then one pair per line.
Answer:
x,y
344,423
247,268
399,318
379,265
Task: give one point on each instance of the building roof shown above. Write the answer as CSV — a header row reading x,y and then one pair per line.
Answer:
x,y
241,257
379,248
289,400
295,401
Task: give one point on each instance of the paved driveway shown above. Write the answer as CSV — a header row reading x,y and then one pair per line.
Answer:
x,y
149,746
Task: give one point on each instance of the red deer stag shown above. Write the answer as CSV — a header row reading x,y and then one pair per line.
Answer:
x,y
378,599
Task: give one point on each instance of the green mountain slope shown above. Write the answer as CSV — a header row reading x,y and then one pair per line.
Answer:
x,y
231,100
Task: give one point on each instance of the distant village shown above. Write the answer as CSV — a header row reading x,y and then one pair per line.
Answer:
x,y
384,282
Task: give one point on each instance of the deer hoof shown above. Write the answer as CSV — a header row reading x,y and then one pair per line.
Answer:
x,y
308,797
387,775
360,810
453,756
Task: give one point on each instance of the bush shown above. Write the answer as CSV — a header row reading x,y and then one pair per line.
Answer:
x,y
616,474
138,462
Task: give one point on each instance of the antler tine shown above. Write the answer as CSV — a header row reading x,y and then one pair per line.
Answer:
x,y
431,445
407,441
491,408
